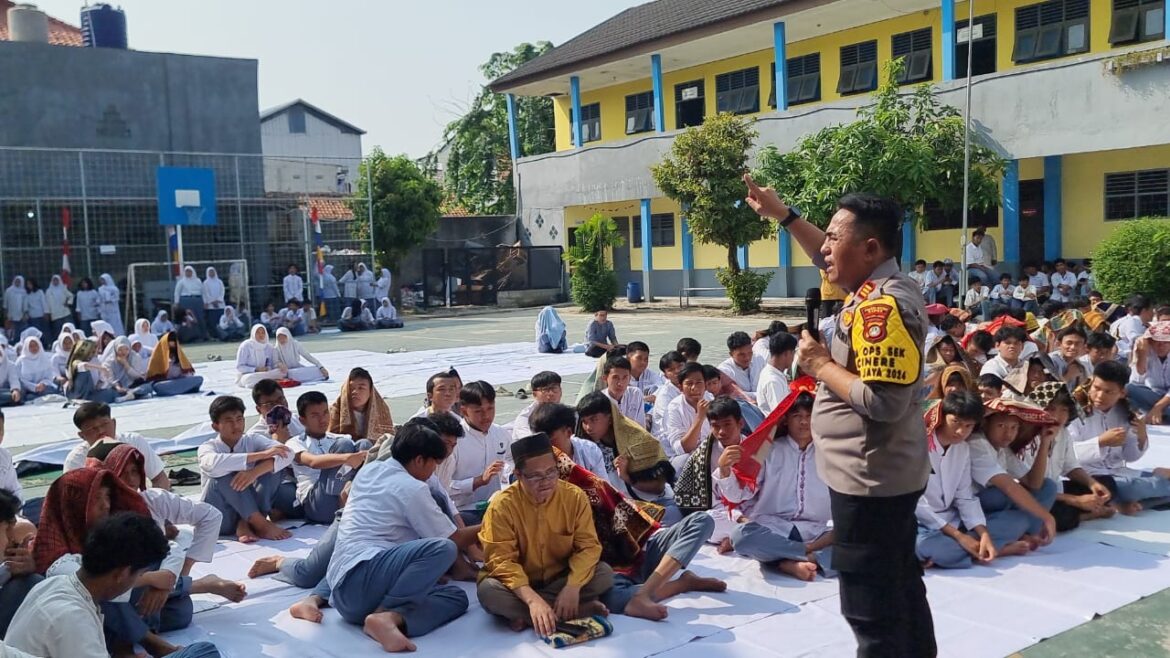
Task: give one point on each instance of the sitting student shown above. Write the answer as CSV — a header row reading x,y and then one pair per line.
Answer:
x,y
190,329
60,358
270,318
976,298
10,387
478,466
62,618
546,389
1003,293
743,366
292,317
788,508
291,357
360,411
18,574
698,486
600,336
1083,497
1149,385
953,531
268,395
356,317
169,371
953,378
230,326
760,338
773,386
519,582
94,423
685,423
1007,364
1111,436
162,324
127,369
617,388
87,378
635,463
322,462
9,480
641,376
35,368
393,546
551,333
387,315
558,422
1101,347
1070,360
669,364
689,348
990,387
443,394
995,487
255,360
241,473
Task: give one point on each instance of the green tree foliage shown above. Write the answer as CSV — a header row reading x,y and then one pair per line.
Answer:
x,y
908,147
704,173
1135,259
592,281
406,206
479,161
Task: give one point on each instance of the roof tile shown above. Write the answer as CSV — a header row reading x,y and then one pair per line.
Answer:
x,y
60,32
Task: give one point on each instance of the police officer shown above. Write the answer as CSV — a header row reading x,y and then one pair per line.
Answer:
x,y
869,433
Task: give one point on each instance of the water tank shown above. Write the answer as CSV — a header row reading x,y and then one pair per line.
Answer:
x,y
27,23
103,26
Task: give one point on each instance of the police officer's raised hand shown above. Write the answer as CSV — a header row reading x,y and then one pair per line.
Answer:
x,y
811,355
764,200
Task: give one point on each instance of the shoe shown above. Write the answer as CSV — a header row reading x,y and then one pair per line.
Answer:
x,y
183,477
503,392
521,394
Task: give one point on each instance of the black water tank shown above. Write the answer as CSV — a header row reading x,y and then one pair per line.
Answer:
x,y
103,26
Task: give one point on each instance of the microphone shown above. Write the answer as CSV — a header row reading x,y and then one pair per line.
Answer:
x,y
812,312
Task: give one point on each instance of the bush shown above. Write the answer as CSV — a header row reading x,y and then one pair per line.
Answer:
x,y
1134,259
592,282
745,288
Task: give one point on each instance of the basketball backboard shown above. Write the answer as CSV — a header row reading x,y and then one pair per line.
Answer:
x,y
186,196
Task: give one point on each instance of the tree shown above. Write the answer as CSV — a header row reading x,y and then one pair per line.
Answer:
x,y
478,174
592,281
1133,260
905,147
406,206
704,173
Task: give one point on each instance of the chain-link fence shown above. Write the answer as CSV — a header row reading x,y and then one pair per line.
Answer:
x,y
106,202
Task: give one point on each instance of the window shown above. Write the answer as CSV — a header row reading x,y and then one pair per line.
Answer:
x,y
1051,29
296,120
936,218
981,40
738,92
690,108
914,48
1136,194
640,113
1137,20
661,230
803,79
590,122
858,68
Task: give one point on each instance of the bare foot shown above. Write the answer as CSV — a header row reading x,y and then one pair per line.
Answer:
x,y
308,609
696,583
385,628
156,646
1032,541
228,589
265,566
802,570
269,530
643,607
1129,509
725,546
1162,472
1103,512
244,533
518,625
1016,548
594,608
463,570
276,516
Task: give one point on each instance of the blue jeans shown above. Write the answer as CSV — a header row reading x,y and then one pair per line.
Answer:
x,y
993,500
180,386
197,650
681,542
236,505
1132,489
83,388
1144,398
1004,527
123,624
310,571
403,579
764,545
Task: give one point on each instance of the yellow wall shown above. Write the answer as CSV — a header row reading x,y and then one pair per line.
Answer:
x,y
1083,193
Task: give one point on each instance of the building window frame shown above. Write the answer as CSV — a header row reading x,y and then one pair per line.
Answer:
x,y
1133,20
1134,194
858,68
802,80
590,122
1048,30
738,92
296,120
661,230
917,50
640,113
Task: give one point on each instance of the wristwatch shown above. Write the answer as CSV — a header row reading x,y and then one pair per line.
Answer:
x,y
793,215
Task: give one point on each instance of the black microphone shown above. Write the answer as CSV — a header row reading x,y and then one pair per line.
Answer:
x,y
812,312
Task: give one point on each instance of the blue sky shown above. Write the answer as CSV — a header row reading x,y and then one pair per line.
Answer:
x,y
400,70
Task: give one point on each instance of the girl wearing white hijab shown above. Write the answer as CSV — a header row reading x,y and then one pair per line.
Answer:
x,y
127,369
36,370
10,394
14,307
230,326
36,307
189,297
87,303
387,316
59,299
550,332
330,294
110,296
236,287
382,286
162,324
144,335
291,356
255,360
213,297
60,358
103,334
363,320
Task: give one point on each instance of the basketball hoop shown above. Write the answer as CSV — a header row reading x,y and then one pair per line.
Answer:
x,y
194,215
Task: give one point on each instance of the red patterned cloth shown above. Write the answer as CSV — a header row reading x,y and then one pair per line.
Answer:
x,y
70,510
758,444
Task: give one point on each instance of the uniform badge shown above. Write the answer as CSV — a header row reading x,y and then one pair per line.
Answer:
x,y
865,290
847,318
873,318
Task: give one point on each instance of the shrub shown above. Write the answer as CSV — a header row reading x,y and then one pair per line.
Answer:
x,y
745,288
1135,259
592,282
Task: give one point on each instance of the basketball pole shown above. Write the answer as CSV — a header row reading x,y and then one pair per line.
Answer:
x,y
179,245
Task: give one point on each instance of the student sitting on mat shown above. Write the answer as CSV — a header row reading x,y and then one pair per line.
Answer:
x,y
95,423
387,315
360,411
642,376
479,467
546,388
255,360
558,421
629,400
170,371
442,394
322,462
299,364
356,317
685,422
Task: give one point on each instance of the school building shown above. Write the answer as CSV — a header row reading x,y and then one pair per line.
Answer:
x,y
1073,93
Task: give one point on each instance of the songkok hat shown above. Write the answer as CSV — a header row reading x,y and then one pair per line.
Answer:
x,y
531,446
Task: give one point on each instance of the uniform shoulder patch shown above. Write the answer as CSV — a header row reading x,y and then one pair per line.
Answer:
x,y
884,351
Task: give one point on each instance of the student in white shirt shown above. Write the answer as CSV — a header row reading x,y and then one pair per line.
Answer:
x,y
394,544
480,466
976,298
18,571
977,265
1149,386
921,276
773,386
322,462
294,285
686,423
617,388
1025,295
940,284
61,617
669,364
1007,364
642,377
789,510
559,422
442,394
94,423
1003,291
292,317
742,366
241,473
546,388
1131,327
1064,283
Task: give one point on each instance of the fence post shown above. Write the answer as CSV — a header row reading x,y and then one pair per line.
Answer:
x,y
243,237
370,210
85,215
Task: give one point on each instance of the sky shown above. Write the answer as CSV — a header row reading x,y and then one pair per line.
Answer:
x,y
398,69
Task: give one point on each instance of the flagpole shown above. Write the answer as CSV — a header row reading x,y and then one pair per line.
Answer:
x,y
967,150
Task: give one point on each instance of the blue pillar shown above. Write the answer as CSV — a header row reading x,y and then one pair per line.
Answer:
x,y
909,246
1166,27
741,255
513,135
1053,241
659,100
1011,212
688,246
785,240
647,250
781,49
948,39
575,96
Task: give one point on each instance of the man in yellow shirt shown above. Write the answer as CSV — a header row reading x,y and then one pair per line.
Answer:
x,y
540,545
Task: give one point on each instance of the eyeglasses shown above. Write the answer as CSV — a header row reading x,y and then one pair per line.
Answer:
x,y
536,478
